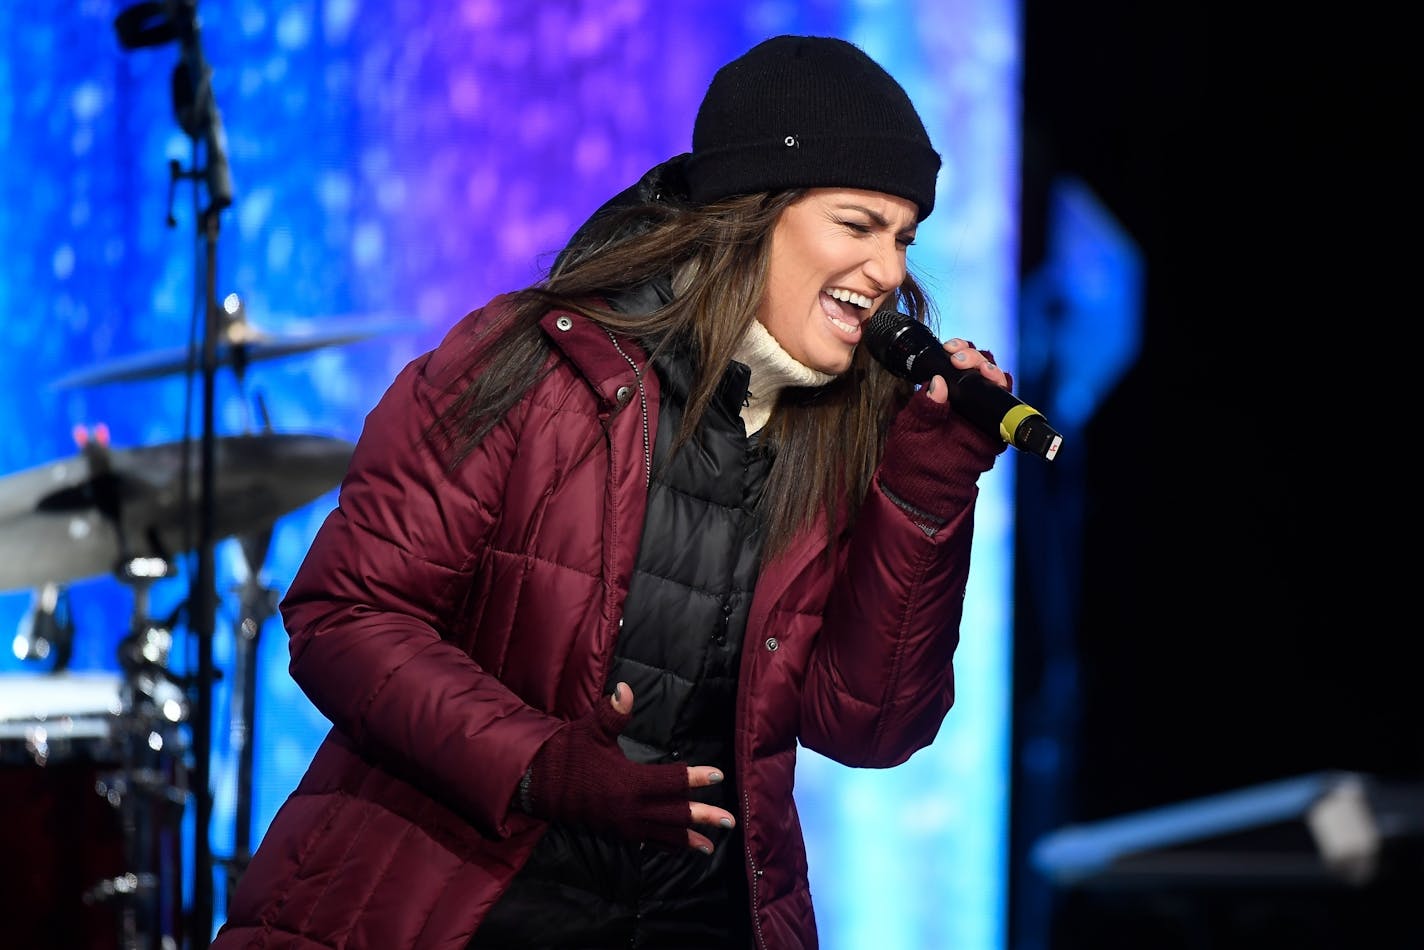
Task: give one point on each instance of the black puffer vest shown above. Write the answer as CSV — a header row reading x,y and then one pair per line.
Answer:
x,y
679,650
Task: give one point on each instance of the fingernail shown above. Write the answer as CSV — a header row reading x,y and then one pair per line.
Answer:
x,y
934,385
714,777
618,692
704,849
956,342
725,822
961,356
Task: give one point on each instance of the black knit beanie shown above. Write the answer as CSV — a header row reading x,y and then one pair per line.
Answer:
x,y
809,112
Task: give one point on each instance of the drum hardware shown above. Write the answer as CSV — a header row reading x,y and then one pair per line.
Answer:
x,y
152,782
144,653
258,603
124,885
47,630
149,787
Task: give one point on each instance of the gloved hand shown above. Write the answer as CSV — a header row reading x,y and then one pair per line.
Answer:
x,y
581,777
933,456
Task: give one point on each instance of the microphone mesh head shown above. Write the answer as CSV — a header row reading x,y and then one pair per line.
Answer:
x,y
884,322
880,332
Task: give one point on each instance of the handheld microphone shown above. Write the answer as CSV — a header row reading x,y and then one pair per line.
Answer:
x,y
910,351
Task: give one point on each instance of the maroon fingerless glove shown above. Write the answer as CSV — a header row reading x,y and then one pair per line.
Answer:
x,y
580,777
934,457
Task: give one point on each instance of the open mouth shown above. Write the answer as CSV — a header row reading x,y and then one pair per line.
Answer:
x,y
845,309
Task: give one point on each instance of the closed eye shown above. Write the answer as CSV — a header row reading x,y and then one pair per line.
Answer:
x,y
902,240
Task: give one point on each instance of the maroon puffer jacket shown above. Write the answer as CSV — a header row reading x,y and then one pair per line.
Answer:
x,y
447,624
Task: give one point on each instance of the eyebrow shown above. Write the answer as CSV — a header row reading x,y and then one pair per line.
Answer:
x,y
877,219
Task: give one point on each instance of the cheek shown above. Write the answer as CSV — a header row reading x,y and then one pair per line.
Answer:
x,y
799,315
789,292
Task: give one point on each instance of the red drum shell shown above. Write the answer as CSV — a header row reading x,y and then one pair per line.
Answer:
x,y
58,835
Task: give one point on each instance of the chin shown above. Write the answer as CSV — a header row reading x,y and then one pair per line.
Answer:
x,y
835,366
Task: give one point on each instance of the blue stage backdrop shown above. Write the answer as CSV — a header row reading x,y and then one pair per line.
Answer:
x,y
394,165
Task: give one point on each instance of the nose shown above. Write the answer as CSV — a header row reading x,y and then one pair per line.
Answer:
x,y
886,265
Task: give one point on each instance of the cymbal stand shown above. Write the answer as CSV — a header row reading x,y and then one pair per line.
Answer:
x,y
257,604
149,788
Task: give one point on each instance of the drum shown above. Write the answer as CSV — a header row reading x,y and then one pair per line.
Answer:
x,y
58,716
59,836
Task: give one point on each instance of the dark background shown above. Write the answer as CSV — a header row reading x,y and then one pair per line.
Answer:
x,y
1213,583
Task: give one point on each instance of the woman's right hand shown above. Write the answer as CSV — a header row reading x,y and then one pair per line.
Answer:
x,y
963,353
581,777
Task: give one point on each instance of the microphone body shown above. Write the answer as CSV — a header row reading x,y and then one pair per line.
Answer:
x,y
154,23
202,119
219,173
910,351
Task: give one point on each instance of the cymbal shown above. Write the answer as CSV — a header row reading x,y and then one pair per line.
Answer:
x,y
240,345
53,522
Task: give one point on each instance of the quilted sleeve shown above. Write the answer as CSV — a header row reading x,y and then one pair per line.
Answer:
x,y
881,677
370,607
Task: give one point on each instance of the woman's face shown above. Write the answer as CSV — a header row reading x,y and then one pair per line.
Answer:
x,y
837,255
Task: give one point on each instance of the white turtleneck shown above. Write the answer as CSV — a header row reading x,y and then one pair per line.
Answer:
x,y
773,369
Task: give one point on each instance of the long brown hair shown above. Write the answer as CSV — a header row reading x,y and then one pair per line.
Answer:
x,y
826,441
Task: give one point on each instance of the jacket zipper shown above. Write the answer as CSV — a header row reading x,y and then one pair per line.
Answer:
x,y
643,403
647,482
756,872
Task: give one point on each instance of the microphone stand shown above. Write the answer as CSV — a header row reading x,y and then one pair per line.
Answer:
x,y
203,121
204,600
152,23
